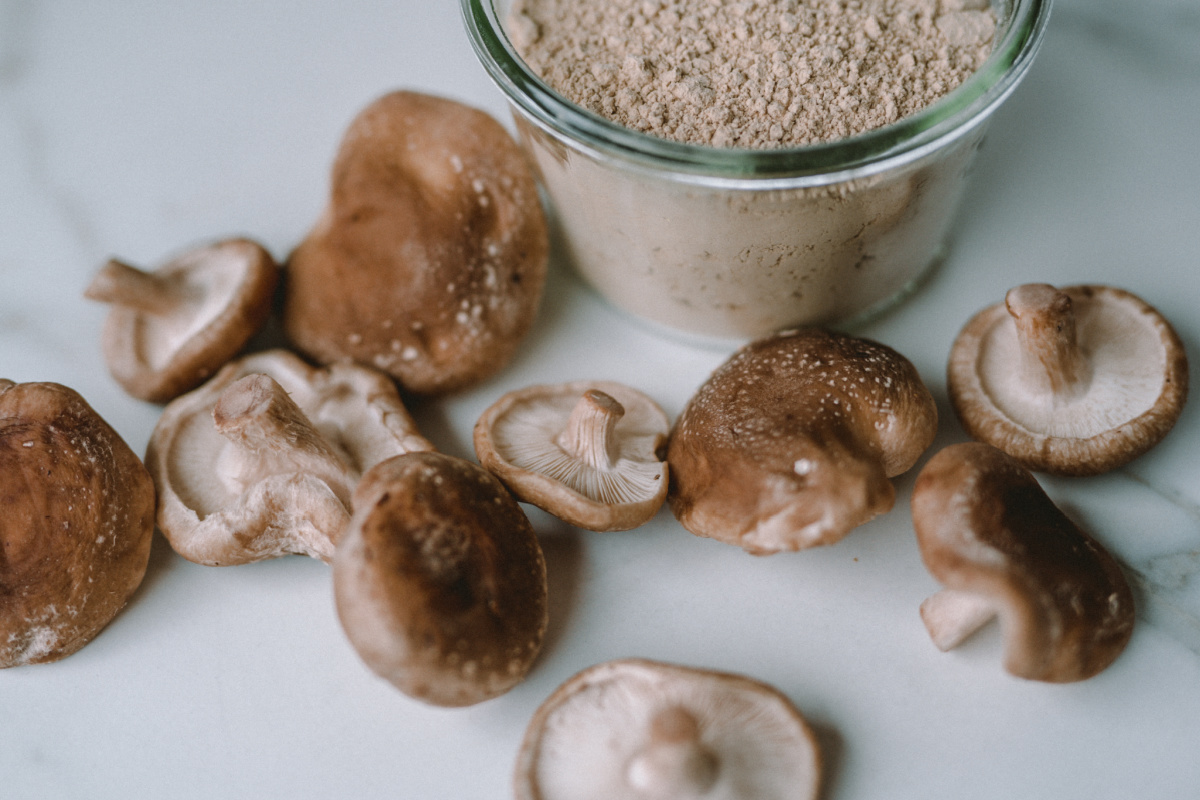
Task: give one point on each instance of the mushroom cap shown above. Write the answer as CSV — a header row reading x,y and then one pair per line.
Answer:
x,y
641,729
78,517
223,294
1135,389
791,442
430,259
440,581
986,529
217,508
616,481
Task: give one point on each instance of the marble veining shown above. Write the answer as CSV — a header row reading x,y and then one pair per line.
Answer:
x,y
110,144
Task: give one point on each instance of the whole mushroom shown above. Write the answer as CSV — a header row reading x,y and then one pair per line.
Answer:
x,y
430,258
587,451
1001,547
1073,381
634,729
172,328
791,442
78,516
440,581
262,460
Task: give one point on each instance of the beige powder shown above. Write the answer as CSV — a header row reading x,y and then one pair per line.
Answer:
x,y
753,73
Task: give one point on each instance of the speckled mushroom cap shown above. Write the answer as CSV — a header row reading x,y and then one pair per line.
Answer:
x,y
634,730
585,451
791,442
430,259
440,581
171,329
262,460
1000,546
75,527
1073,381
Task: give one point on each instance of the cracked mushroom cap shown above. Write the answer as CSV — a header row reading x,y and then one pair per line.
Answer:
x,y
173,328
587,452
791,442
440,581
646,730
78,516
1073,381
992,537
262,460
430,258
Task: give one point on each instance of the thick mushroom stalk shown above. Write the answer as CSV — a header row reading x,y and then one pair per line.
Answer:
x,y
269,435
587,452
118,283
589,432
992,537
673,764
1051,359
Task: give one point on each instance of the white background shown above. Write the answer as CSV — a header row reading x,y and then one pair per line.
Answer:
x,y
139,128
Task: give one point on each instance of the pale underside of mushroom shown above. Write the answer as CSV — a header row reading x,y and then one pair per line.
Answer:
x,y
275,474
171,328
1072,381
640,729
586,451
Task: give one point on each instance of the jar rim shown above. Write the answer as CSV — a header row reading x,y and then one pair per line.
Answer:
x,y
1023,24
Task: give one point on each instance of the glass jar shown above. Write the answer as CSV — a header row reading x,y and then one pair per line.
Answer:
x,y
733,244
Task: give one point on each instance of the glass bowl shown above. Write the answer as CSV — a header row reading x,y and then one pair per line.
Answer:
x,y
730,244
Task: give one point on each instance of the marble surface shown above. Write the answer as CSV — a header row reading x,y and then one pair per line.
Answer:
x,y
137,128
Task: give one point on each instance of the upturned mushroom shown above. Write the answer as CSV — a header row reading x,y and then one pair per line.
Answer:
x,y
440,581
642,730
430,258
262,460
790,443
587,452
78,516
1073,381
1000,546
172,328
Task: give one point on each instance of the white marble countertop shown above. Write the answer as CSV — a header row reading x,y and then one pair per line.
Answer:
x,y
136,128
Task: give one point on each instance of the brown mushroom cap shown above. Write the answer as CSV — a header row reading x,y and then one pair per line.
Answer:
x,y
992,537
430,259
171,329
645,730
1076,381
262,460
791,442
587,451
77,519
440,581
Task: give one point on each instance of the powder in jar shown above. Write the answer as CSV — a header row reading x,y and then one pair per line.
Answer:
x,y
753,73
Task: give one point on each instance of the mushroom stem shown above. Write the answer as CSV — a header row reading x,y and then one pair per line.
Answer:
x,y
120,284
1050,353
271,436
951,616
673,763
588,434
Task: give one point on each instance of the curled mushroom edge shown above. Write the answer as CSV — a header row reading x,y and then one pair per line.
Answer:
x,y
589,452
262,460
1072,381
792,442
637,728
1003,551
